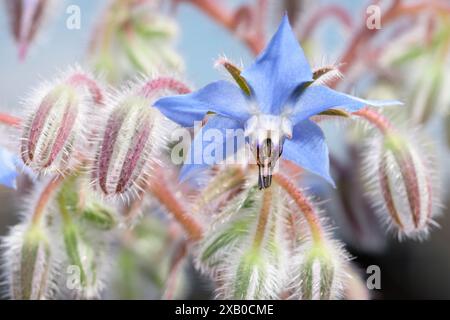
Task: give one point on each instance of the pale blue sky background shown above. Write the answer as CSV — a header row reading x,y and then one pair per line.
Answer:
x,y
200,43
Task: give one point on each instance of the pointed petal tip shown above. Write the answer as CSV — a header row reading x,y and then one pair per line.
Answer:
x,y
398,103
385,103
285,18
285,24
330,180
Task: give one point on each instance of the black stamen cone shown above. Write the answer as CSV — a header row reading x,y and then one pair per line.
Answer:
x,y
264,178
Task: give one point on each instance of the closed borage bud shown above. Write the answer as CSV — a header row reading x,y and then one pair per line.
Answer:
x,y
28,263
129,143
402,183
318,269
55,128
132,138
246,255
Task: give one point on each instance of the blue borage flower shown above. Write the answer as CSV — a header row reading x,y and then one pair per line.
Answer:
x,y
274,113
8,168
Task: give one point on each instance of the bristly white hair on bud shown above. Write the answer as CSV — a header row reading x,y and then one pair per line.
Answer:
x,y
326,74
129,145
246,255
28,263
29,256
401,182
58,121
318,270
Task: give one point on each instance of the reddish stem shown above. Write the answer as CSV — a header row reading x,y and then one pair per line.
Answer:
x,y
165,196
164,83
378,120
263,218
304,205
9,120
396,10
45,197
227,18
80,80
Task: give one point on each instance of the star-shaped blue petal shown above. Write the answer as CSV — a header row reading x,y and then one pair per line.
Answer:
x,y
282,93
307,140
221,97
278,71
209,146
8,168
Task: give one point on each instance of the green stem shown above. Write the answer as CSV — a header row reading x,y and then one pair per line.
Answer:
x,y
263,218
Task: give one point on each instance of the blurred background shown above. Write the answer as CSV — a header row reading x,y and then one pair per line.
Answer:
x,y
408,60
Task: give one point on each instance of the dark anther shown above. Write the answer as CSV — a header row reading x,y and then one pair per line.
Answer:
x,y
264,178
266,159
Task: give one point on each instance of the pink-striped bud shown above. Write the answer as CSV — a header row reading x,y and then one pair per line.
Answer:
x,y
318,271
402,183
29,263
128,144
55,128
132,138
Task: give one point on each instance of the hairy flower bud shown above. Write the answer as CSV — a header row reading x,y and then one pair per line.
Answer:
x,y
29,262
318,270
401,181
53,133
128,145
246,254
132,138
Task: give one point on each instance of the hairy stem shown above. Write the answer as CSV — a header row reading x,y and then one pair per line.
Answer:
x,y
164,83
81,80
263,218
376,119
9,120
303,204
227,18
45,197
396,10
165,196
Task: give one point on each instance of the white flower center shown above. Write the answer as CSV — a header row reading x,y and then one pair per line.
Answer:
x,y
266,133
